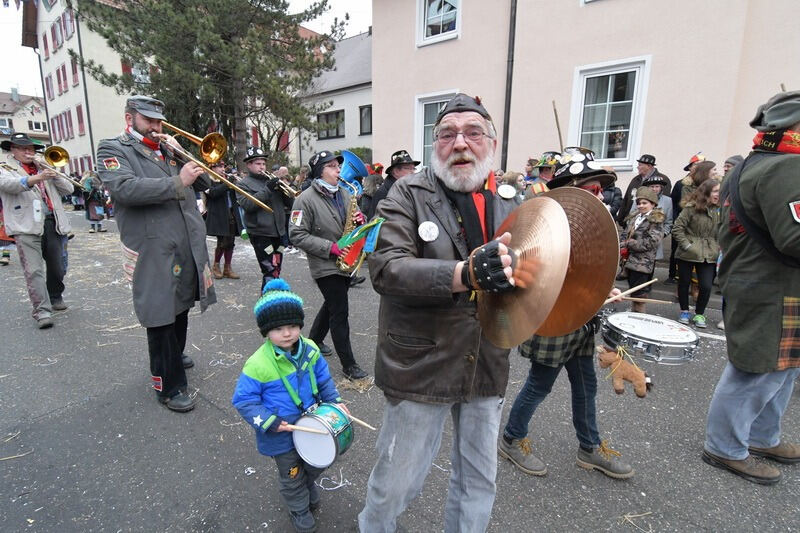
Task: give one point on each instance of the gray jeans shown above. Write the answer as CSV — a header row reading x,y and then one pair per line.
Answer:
x,y
407,445
746,410
296,478
43,265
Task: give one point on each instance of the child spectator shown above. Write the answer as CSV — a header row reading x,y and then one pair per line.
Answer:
x,y
643,233
285,377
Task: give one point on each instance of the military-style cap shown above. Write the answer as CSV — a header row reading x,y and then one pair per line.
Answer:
x,y
779,112
319,159
254,152
149,107
19,139
461,103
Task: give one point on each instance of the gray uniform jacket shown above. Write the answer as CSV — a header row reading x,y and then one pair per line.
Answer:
x,y
163,235
430,343
314,226
22,206
258,220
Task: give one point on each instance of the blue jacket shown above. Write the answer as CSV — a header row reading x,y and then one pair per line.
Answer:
x,y
264,401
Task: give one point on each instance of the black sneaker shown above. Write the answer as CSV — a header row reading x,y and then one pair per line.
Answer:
x,y
325,350
670,281
303,522
357,280
354,372
180,403
187,361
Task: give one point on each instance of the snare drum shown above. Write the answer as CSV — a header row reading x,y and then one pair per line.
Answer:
x,y
322,450
652,337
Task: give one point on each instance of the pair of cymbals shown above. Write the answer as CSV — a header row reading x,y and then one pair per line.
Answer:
x,y
567,251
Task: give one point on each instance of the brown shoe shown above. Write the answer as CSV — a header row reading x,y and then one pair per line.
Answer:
x,y
216,272
785,452
229,273
750,468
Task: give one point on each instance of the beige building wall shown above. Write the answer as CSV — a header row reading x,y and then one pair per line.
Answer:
x,y
708,65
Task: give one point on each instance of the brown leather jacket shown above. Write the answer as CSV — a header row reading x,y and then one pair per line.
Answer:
x,y
430,346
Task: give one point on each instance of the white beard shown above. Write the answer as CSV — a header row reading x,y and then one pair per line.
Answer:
x,y
461,181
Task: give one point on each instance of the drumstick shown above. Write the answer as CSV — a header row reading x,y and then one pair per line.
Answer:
x,y
629,291
357,421
645,300
307,430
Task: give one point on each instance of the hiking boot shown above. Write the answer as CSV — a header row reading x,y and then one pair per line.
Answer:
x,y
606,461
519,452
228,272
785,452
216,272
699,321
749,468
303,522
684,317
354,372
180,403
58,305
44,322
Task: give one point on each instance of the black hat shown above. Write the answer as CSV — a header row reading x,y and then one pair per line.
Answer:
x,y
655,179
19,139
400,157
576,167
461,103
319,159
254,152
278,306
149,107
647,159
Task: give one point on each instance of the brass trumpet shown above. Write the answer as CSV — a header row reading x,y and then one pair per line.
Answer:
x,y
285,188
212,149
55,157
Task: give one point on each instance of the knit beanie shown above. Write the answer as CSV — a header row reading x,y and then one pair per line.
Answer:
x,y
648,194
278,306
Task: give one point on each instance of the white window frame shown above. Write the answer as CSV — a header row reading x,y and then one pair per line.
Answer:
x,y
419,116
642,65
4,122
421,22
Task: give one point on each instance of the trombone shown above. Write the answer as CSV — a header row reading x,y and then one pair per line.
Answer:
x,y
285,188
212,149
55,157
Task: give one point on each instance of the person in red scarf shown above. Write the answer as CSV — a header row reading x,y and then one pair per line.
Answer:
x,y
432,360
760,280
34,216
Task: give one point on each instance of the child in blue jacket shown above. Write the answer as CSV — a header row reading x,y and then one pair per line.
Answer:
x,y
280,381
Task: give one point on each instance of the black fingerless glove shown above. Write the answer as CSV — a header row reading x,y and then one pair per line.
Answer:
x,y
484,270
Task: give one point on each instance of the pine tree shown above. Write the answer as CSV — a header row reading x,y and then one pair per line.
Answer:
x,y
216,63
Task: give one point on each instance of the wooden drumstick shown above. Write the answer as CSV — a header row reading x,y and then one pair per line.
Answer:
x,y
361,422
307,430
629,291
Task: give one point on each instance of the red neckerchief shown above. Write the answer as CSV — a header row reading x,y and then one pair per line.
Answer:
x,y
786,141
154,146
31,169
480,202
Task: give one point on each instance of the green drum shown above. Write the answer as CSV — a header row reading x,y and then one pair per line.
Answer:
x,y
322,450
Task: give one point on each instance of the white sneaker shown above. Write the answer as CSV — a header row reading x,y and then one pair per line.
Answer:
x,y
721,324
291,250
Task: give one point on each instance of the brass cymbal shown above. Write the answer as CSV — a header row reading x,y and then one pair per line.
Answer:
x,y
540,241
593,260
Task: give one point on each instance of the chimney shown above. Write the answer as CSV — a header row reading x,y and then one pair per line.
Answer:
x,y
15,94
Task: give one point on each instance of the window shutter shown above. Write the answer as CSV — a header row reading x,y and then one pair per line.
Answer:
x,y
126,68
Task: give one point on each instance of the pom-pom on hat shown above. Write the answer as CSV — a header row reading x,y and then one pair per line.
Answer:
x,y
278,306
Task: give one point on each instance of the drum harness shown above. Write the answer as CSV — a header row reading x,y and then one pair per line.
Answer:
x,y
293,393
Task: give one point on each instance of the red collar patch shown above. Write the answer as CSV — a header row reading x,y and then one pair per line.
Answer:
x,y
795,208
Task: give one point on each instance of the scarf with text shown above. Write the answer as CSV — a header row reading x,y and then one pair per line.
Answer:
x,y
786,141
475,212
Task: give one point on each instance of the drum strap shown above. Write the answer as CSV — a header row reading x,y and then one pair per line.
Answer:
x,y
306,365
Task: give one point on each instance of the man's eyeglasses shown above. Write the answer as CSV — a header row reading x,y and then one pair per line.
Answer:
x,y
332,164
449,136
594,189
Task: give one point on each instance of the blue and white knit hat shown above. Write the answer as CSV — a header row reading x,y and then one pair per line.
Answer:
x,y
278,306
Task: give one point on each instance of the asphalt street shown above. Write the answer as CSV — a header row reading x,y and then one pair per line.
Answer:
x,y
84,446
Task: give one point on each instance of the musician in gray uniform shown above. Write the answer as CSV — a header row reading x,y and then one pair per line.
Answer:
x,y
163,239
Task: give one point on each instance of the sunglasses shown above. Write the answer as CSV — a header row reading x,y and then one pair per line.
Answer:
x,y
594,189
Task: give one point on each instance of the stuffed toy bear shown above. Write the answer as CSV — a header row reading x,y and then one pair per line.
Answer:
x,y
622,370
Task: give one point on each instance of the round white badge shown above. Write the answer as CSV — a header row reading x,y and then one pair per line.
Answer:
x,y
506,191
576,168
428,231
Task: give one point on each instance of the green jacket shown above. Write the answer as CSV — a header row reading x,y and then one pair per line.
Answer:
x,y
762,295
695,235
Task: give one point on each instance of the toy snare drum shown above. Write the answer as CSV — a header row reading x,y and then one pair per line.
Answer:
x,y
322,450
654,338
